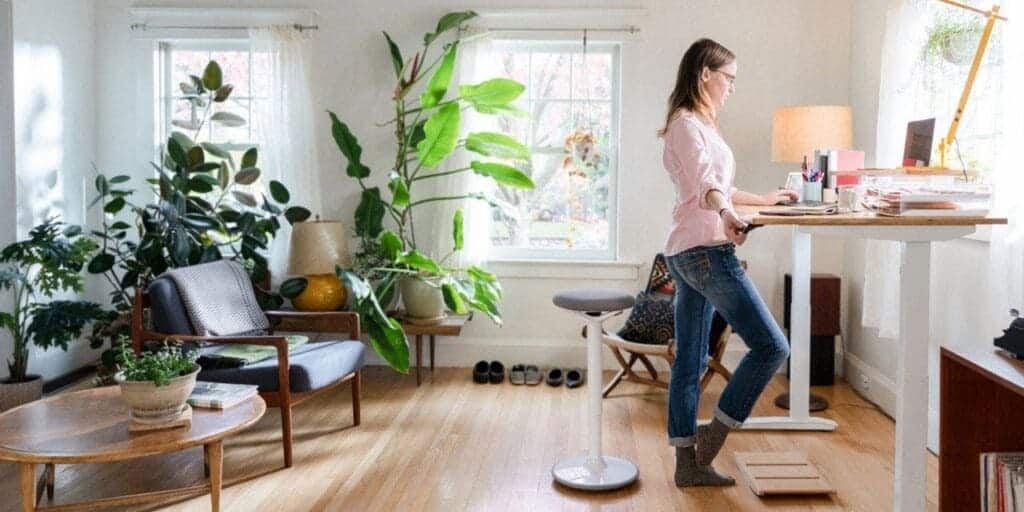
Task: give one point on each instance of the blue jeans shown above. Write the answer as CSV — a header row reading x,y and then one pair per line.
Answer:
x,y
710,279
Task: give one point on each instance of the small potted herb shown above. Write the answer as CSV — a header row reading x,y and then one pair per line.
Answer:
x,y
156,385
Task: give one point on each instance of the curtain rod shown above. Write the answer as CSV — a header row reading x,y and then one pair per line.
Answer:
x,y
630,29
145,26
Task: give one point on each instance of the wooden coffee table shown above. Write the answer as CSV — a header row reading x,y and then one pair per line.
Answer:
x,y
92,426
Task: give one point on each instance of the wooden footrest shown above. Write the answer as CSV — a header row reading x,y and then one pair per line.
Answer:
x,y
781,473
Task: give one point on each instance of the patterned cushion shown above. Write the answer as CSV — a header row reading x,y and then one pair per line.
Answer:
x,y
650,321
660,281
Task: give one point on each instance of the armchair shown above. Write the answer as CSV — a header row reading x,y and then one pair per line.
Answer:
x,y
284,381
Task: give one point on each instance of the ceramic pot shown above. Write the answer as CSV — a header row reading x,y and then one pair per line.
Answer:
x,y
154,404
423,300
13,394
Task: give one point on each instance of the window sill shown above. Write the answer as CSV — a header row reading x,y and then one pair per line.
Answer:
x,y
565,269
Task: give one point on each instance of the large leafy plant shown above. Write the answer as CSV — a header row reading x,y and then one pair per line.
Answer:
x,y
427,132
48,262
205,206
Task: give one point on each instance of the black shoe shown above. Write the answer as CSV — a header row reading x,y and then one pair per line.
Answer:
x,y
497,372
555,377
481,372
574,378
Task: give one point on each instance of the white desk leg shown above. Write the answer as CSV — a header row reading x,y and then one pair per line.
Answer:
x,y
800,350
912,378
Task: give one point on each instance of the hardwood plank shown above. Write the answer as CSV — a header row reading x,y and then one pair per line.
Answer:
x,y
453,445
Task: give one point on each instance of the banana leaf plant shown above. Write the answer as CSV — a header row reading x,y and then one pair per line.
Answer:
x,y
205,206
426,124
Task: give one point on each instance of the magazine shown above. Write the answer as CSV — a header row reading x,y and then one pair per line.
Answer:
x,y
218,395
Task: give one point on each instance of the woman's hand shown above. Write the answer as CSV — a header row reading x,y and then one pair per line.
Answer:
x,y
780,196
734,227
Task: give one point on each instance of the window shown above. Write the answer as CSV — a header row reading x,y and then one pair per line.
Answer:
x,y
572,96
947,48
246,71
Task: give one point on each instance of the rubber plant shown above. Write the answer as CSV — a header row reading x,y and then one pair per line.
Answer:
x,y
205,206
426,125
50,261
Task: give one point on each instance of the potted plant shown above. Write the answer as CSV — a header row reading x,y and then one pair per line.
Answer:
x,y
156,384
426,127
48,262
206,205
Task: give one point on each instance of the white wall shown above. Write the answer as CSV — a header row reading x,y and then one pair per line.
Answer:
x,y
7,175
55,130
782,61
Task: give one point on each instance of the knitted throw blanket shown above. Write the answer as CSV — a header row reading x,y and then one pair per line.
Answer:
x,y
219,299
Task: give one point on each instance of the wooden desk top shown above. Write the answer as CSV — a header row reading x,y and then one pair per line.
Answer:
x,y
450,326
92,426
754,215
997,364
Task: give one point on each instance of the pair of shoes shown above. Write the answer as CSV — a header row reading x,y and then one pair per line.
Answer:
x,y
493,372
572,378
527,374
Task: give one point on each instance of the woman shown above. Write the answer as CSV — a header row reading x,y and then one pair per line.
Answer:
x,y
702,260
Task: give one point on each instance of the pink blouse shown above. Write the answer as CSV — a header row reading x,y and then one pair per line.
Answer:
x,y
697,160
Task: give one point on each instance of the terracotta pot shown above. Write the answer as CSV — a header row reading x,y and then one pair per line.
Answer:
x,y
13,394
423,300
154,404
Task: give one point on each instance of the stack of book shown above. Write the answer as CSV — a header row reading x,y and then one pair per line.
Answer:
x,y
965,200
218,395
1002,482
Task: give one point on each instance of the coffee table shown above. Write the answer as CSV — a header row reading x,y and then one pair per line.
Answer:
x,y
92,426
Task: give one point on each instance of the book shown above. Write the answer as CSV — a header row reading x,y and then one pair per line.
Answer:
x,y
1002,482
220,395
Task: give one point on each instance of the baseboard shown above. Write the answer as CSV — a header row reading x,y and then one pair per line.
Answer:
x,y
871,384
68,378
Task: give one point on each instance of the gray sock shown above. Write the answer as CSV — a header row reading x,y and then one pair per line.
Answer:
x,y
710,439
691,474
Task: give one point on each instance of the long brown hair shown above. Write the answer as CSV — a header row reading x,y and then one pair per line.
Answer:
x,y
688,94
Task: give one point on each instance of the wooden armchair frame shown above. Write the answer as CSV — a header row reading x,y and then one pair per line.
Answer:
x,y
281,321
641,351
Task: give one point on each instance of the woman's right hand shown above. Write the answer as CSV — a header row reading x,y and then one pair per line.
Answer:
x,y
734,227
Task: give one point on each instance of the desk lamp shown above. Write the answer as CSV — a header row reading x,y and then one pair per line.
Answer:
x,y
316,248
798,131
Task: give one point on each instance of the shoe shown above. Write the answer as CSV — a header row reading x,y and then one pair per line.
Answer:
x,y
518,374
555,377
533,375
481,372
497,372
574,378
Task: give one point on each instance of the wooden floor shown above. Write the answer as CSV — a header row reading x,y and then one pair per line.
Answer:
x,y
454,445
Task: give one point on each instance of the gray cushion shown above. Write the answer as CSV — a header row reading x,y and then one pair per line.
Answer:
x,y
593,300
313,366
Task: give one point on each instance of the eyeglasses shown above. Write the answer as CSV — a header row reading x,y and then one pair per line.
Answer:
x,y
730,78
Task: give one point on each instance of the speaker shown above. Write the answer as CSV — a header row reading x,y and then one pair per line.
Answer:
x,y
825,293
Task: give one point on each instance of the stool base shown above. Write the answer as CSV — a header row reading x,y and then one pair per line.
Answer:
x,y
586,474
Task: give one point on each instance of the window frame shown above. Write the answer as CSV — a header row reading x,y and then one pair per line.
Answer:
x,y
532,43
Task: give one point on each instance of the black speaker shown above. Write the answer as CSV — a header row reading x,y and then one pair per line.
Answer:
x,y
823,361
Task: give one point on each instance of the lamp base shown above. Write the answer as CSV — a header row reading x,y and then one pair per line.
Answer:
x,y
324,292
815,403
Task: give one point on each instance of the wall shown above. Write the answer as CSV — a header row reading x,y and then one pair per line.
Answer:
x,y
54,131
779,64
7,176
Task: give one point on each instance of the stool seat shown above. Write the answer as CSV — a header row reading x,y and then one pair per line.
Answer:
x,y
591,300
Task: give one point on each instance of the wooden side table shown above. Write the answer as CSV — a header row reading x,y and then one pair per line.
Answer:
x,y
450,326
92,426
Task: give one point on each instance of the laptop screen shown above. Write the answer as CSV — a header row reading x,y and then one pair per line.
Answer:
x,y
917,150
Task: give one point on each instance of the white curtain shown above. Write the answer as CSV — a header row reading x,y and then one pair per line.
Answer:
x,y
284,120
474,64
1006,249
905,27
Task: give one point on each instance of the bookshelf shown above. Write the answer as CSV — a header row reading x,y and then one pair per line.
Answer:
x,y
981,409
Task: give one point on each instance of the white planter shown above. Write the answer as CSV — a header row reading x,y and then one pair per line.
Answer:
x,y
423,300
152,404
13,394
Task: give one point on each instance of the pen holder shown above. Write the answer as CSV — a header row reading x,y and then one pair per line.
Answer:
x,y
812,191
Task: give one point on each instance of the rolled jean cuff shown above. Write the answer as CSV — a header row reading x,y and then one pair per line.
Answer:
x,y
682,442
726,419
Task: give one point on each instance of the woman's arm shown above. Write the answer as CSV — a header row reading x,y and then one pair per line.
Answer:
x,y
741,197
734,226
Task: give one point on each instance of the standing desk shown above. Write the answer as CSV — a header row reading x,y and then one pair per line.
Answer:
x,y
915,235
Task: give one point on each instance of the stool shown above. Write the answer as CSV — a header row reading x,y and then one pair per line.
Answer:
x,y
594,472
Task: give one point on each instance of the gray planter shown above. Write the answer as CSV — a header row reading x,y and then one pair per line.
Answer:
x,y
13,394
423,300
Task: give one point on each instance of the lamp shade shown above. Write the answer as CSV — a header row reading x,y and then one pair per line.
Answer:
x,y
317,247
798,131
